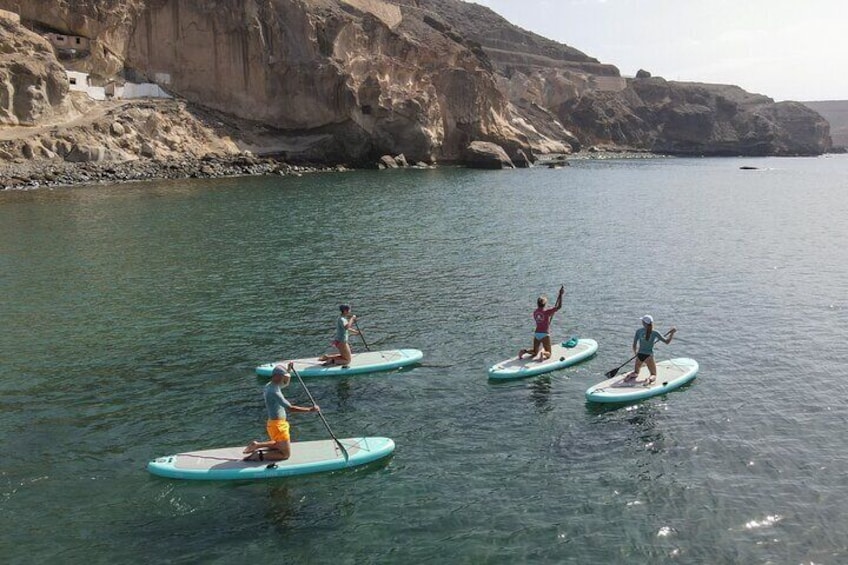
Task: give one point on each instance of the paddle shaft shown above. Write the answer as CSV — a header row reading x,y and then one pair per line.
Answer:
x,y
321,415
614,372
356,325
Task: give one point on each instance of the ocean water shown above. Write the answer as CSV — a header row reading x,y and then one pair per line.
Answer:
x,y
132,317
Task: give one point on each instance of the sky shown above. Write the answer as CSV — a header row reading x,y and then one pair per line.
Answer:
x,y
786,49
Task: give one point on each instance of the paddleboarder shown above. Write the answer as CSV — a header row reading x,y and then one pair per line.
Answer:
x,y
278,448
542,336
643,347
341,341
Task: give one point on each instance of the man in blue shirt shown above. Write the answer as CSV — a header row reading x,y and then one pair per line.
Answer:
x,y
277,426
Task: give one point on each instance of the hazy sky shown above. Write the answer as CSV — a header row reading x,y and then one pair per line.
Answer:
x,y
786,49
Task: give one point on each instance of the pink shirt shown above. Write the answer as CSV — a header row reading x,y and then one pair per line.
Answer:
x,y
543,319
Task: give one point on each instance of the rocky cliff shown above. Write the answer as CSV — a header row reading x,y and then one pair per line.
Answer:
x,y
836,114
350,80
602,108
340,80
695,119
33,86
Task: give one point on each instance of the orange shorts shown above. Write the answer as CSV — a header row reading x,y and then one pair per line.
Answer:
x,y
278,430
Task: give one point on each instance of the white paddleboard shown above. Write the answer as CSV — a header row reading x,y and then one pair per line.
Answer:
x,y
515,368
671,374
307,457
365,362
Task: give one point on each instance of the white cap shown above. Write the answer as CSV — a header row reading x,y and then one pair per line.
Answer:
x,y
647,319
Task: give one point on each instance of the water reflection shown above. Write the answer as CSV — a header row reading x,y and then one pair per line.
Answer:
x,y
540,393
283,507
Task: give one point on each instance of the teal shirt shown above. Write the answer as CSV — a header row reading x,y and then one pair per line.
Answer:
x,y
275,402
342,335
646,344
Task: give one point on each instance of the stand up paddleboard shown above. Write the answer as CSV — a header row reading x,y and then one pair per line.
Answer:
x,y
671,374
365,362
561,357
307,457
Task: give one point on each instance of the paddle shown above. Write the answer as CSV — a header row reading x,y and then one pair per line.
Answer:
x,y
323,419
614,372
356,325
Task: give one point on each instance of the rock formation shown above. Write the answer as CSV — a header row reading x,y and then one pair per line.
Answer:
x,y
602,108
33,87
695,119
352,80
836,113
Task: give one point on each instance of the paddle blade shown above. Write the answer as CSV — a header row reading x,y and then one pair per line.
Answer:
x,y
611,374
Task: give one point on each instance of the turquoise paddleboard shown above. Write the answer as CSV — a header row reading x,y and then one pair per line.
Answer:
x,y
307,457
365,362
671,374
561,357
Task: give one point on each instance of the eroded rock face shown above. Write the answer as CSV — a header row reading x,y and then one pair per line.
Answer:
x,y
695,119
351,80
33,86
594,105
370,74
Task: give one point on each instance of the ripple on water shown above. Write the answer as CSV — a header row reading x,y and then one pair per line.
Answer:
x,y
133,317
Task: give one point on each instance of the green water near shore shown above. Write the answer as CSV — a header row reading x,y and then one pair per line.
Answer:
x,y
132,317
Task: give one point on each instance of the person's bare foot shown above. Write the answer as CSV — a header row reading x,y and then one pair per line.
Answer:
x,y
629,377
323,358
251,447
255,456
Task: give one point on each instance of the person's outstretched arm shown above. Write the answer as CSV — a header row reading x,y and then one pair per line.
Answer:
x,y
671,333
558,304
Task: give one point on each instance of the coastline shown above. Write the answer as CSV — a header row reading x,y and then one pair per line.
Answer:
x,y
37,174
57,174
62,174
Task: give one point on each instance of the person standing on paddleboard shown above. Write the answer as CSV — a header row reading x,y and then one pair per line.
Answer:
x,y
277,426
542,336
643,347
341,341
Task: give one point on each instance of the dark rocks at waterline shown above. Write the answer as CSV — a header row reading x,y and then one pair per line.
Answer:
x,y
56,173
521,160
487,155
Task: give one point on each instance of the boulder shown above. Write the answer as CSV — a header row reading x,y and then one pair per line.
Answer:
x,y
642,73
86,154
487,155
401,161
388,162
147,150
117,129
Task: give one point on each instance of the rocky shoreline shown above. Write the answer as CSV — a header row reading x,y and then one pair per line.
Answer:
x,y
55,174
51,174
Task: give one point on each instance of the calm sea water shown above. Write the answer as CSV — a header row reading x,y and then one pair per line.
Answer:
x,y
132,317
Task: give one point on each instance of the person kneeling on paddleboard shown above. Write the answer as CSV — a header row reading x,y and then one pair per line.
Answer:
x,y
341,341
279,446
542,336
643,347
